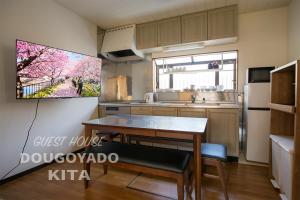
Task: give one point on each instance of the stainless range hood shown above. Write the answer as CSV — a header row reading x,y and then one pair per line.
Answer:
x,y
119,45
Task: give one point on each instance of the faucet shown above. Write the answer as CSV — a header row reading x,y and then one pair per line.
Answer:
x,y
193,97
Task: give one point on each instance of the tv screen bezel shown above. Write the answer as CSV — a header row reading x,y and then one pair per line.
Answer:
x,y
51,97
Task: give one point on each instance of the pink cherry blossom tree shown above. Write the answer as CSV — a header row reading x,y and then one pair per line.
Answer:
x,y
27,53
35,61
88,68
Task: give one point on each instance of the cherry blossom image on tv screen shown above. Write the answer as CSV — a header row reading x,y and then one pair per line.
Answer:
x,y
46,72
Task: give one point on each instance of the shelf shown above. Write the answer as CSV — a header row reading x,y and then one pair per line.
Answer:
x,y
284,108
282,123
287,67
284,117
193,71
283,86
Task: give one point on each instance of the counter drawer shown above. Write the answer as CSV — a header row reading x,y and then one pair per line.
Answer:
x,y
164,111
192,112
139,110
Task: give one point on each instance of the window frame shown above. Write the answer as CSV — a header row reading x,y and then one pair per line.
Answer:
x,y
217,74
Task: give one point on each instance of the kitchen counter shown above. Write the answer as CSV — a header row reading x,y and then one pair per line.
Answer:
x,y
223,119
175,104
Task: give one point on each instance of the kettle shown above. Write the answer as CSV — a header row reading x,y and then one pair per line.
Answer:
x,y
149,97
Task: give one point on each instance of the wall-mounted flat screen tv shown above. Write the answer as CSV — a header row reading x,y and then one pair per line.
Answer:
x,y
46,72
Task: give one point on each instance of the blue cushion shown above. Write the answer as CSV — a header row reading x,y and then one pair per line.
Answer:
x,y
215,151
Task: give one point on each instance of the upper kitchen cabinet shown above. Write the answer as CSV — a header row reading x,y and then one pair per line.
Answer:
x,y
222,23
169,31
194,27
214,24
146,35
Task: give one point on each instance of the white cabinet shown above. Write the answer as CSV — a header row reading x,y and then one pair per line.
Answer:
x,y
275,160
282,160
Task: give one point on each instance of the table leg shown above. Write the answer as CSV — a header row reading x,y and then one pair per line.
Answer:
x,y
197,166
87,167
88,136
87,139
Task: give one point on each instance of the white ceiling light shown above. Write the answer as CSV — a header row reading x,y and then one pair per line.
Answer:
x,y
184,47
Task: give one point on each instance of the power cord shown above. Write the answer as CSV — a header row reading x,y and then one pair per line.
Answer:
x,y
27,137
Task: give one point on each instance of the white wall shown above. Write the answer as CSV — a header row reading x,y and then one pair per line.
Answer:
x,y
294,30
262,41
48,23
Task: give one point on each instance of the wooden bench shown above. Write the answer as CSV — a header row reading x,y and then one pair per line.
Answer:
x,y
212,155
156,161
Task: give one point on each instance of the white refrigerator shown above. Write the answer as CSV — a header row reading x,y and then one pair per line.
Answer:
x,y
257,121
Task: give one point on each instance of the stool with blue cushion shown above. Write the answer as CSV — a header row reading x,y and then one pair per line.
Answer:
x,y
215,155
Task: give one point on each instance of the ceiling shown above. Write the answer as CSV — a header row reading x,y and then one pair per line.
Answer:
x,y
113,13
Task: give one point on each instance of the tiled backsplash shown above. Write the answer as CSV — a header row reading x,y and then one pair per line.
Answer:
x,y
210,97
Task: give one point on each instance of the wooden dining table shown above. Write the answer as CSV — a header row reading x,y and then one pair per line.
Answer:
x,y
156,126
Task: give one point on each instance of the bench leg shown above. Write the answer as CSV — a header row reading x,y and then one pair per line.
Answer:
x,y
122,138
180,187
188,184
87,167
191,184
128,139
105,169
225,172
189,180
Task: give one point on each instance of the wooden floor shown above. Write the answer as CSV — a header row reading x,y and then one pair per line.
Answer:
x,y
245,183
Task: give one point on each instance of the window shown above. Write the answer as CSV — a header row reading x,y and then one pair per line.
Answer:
x,y
205,70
